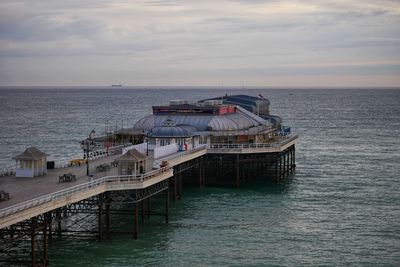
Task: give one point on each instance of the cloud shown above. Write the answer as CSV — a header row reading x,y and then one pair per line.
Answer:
x,y
41,28
160,38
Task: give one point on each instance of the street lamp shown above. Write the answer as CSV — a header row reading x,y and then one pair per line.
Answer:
x,y
87,151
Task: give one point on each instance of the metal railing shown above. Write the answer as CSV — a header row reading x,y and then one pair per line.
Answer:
x,y
254,145
179,154
66,162
184,153
137,178
81,188
97,154
7,170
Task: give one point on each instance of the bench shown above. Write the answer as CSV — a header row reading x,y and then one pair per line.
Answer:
x,y
4,195
67,177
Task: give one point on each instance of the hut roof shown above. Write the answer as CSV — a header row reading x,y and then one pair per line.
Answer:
x,y
132,156
31,153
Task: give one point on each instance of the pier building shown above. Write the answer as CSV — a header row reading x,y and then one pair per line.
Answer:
x,y
32,162
223,141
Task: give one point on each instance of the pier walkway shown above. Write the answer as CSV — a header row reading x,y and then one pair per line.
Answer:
x,y
31,197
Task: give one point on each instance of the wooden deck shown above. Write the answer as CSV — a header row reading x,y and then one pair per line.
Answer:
x,y
30,197
22,189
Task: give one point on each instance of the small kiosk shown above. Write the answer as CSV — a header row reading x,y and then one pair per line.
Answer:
x,y
131,163
31,163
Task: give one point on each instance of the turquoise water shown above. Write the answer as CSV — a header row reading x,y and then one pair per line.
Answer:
x,y
342,206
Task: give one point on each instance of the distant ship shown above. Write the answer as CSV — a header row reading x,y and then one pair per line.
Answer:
x,y
116,85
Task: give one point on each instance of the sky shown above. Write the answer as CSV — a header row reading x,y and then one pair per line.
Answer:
x,y
305,43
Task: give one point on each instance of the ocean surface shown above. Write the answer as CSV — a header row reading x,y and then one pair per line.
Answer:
x,y
340,208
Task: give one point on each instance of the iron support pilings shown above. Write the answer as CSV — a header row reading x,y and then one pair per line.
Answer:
x,y
33,243
45,241
276,166
136,222
294,157
100,217
108,219
50,223
148,207
280,167
58,216
291,159
142,210
237,171
180,187
166,205
175,186
286,167
201,174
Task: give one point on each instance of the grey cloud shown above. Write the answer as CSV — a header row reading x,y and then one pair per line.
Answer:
x,y
42,28
160,39
301,71
160,3
255,2
237,25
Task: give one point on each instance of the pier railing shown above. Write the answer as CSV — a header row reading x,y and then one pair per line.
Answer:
x,y
178,155
66,162
81,188
7,170
254,145
183,153
137,178
97,154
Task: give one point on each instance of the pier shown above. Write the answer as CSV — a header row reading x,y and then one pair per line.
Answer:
x,y
38,206
167,157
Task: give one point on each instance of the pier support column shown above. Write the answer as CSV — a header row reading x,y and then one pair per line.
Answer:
x,y
108,219
148,207
180,187
12,231
45,241
201,174
291,160
280,166
294,157
166,205
136,222
33,243
176,178
58,216
142,210
50,223
286,164
237,171
100,218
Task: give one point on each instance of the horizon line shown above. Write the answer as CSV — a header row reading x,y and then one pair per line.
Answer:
x,y
228,87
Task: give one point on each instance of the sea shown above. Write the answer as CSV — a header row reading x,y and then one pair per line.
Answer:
x,y
341,207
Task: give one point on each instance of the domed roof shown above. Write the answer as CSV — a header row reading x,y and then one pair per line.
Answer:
x,y
170,129
235,121
241,120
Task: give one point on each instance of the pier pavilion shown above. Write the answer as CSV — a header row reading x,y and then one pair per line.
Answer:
x,y
32,162
131,163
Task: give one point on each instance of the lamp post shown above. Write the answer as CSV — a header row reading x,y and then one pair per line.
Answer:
x,y
87,151
147,146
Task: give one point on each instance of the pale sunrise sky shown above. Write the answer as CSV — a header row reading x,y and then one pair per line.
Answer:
x,y
206,43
